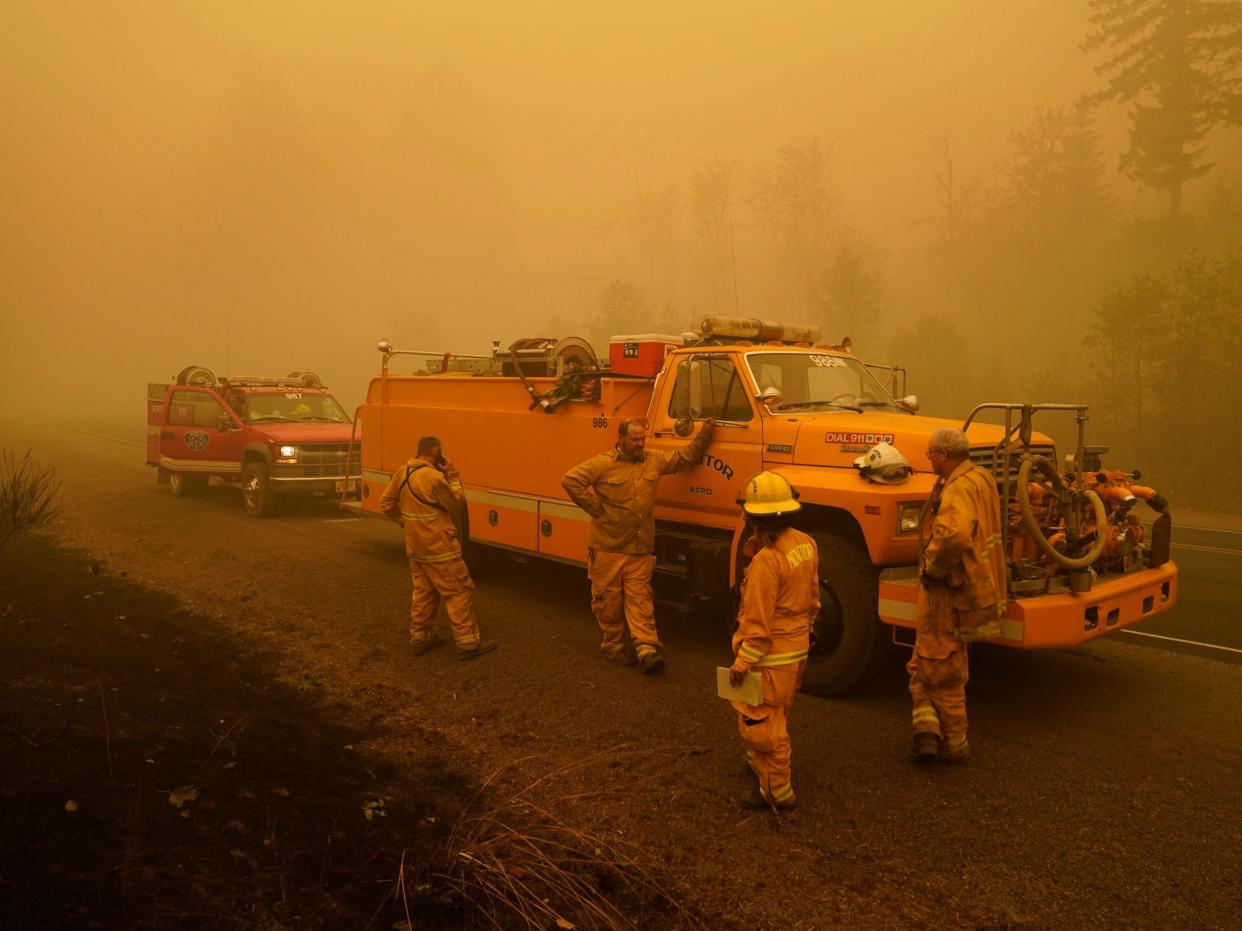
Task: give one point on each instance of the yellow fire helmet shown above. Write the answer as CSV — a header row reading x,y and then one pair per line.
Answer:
x,y
768,493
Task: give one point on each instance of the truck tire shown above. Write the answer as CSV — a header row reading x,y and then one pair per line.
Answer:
x,y
183,486
258,498
849,642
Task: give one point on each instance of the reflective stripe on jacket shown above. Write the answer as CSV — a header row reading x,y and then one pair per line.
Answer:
x,y
427,504
780,598
619,493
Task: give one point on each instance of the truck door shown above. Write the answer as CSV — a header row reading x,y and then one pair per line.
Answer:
x,y
707,385
200,434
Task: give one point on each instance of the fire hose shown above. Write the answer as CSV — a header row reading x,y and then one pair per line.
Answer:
x,y
1070,500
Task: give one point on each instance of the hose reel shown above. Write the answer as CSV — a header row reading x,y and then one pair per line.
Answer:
x,y
1070,501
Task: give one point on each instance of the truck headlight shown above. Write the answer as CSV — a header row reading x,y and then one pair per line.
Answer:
x,y
908,516
288,452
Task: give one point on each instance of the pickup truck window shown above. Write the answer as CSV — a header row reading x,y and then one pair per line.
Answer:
x,y
293,406
811,380
193,409
709,386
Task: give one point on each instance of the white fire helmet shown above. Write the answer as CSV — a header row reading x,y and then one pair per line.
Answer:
x,y
884,463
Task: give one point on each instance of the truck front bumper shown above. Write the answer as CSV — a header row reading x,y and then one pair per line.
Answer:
x,y
1049,621
308,485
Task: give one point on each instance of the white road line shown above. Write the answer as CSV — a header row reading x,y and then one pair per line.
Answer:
x,y
1209,529
1207,549
1193,643
104,436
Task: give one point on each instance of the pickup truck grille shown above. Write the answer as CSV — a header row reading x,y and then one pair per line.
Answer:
x,y
326,460
988,458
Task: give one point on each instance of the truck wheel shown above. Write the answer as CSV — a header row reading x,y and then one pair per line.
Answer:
x,y
849,642
182,485
257,496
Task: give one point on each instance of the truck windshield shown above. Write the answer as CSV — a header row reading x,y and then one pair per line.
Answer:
x,y
293,407
791,381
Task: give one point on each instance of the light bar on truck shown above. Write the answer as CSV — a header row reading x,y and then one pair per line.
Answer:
x,y
758,330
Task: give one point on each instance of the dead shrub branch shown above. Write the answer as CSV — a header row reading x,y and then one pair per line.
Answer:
x,y
516,863
28,494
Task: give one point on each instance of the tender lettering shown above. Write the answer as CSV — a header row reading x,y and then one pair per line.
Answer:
x,y
719,465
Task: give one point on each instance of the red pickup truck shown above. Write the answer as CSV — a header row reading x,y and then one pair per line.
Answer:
x,y
270,436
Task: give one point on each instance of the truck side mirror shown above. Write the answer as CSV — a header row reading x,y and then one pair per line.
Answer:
x,y
684,426
225,424
910,402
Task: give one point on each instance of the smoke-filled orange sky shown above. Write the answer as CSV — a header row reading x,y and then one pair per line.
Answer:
x,y
270,186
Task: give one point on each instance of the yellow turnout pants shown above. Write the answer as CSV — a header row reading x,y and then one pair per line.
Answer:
x,y
449,582
765,731
938,691
620,596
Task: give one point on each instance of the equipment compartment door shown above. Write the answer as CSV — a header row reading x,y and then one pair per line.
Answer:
x,y
156,397
563,530
497,517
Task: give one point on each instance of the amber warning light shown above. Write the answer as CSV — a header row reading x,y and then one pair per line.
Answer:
x,y
758,330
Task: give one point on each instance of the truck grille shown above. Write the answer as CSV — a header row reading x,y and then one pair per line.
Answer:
x,y
325,459
988,458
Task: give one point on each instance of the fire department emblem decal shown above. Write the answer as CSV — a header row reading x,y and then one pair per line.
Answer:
x,y
196,440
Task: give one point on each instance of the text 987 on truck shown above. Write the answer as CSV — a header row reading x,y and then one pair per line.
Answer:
x,y
1082,561
271,437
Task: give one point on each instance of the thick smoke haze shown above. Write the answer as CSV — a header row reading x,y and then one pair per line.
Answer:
x,y
273,186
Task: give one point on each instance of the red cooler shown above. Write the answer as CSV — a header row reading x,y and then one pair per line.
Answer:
x,y
640,355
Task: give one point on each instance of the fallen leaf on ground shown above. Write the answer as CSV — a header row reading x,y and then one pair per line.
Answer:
x,y
71,805
281,791
182,795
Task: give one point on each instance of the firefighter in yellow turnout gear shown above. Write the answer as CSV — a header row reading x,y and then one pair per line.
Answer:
x,y
425,495
961,599
780,599
617,489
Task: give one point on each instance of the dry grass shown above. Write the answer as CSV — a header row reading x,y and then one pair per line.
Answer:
x,y
518,864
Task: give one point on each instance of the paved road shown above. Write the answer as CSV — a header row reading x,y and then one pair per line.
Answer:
x,y
1206,619
1103,791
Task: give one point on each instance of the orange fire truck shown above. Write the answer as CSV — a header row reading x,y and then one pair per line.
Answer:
x,y
1082,562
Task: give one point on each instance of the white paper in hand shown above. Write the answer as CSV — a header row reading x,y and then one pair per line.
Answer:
x,y
750,691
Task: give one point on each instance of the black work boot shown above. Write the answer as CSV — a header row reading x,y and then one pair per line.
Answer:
x,y
652,664
419,647
926,748
753,800
485,646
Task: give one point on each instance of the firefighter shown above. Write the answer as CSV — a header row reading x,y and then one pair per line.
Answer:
x,y
962,595
617,488
780,598
425,495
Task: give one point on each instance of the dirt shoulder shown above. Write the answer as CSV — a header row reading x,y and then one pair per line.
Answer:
x,y
162,771
1103,792
159,774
